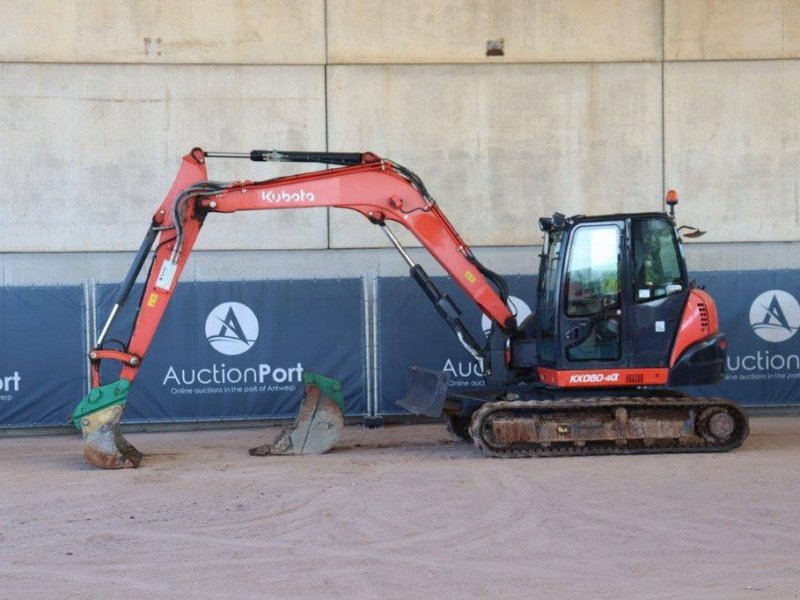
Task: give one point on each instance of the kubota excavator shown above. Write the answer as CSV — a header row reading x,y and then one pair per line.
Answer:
x,y
617,323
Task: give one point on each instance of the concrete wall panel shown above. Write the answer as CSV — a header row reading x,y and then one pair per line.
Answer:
x,y
501,146
89,151
154,31
456,31
733,29
732,143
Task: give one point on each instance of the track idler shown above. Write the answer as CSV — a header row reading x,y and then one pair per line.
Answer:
x,y
98,416
318,425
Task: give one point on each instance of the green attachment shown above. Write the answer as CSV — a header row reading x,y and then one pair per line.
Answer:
x,y
100,398
329,387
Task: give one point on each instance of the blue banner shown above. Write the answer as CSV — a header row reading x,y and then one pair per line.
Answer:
x,y
412,332
42,356
238,350
760,313
758,310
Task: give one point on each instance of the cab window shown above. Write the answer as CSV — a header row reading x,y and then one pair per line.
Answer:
x,y
656,258
593,270
593,293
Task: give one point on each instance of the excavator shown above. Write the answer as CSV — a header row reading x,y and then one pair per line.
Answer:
x,y
617,325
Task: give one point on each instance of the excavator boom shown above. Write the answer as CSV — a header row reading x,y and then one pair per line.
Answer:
x,y
381,190
378,189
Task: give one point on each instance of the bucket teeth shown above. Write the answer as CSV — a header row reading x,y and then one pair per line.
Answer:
x,y
316,429
104,445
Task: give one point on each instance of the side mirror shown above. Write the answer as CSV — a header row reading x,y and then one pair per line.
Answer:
x,y
691,232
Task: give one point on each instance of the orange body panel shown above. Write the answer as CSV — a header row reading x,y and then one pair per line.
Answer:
x,y
595,378
699,321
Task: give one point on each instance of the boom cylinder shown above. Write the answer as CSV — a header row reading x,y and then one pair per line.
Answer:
x,y
127,283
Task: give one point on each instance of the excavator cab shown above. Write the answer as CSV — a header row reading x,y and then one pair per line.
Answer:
x,y
610,296
610,303
616,322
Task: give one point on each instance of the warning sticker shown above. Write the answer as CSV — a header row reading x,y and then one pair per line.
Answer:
x,y
166,275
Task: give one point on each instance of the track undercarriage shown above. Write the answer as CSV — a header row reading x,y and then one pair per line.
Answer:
x,y
512,425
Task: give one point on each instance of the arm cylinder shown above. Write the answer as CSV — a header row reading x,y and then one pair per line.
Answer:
x,y
325,158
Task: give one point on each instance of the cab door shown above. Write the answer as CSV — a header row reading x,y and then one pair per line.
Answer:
x,y
592,327
659,290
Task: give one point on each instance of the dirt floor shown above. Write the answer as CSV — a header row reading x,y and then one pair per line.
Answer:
x,y
399,512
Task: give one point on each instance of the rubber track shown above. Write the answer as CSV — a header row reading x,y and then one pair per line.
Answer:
x,y
605,447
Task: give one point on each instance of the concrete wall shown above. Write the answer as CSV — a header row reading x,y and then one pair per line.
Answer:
x,y
153,31
92,149
733,146
501,145
594,106
457,31
731,29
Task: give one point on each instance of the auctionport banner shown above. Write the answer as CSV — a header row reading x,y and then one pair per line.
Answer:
x,y
239,350
760,313
42,356
411,332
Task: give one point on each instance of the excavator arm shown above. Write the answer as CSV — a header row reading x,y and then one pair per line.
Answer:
x,y
379,189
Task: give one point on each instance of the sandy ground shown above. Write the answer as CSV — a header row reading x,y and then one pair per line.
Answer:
x,y
400,512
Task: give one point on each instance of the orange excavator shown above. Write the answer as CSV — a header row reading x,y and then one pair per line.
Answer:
x,y
617,324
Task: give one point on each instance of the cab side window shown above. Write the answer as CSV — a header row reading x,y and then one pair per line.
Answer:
x,y
656,258
593,293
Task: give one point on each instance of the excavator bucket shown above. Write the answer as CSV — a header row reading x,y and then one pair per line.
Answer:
x,y
427,390
98,417
318,425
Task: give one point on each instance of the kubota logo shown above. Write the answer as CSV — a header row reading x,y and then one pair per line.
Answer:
x,y
231,328
282,196
775,316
